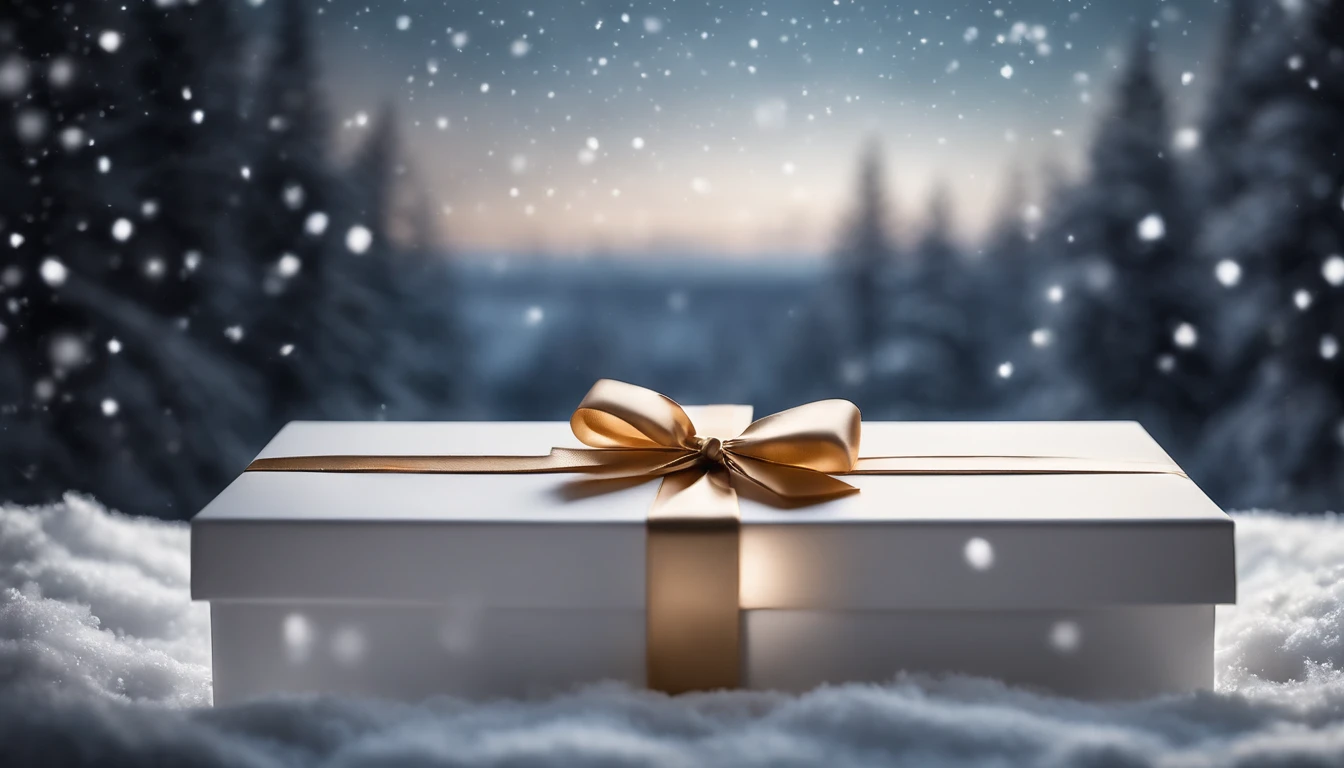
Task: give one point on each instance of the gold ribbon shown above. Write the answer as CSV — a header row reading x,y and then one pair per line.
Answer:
x,y
786,458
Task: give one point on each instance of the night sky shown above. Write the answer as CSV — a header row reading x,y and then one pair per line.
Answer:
x,y
566,126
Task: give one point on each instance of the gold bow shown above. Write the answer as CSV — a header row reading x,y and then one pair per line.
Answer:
x,y
692,577
636,432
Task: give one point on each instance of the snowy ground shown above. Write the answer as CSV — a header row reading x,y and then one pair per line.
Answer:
x,y
104,660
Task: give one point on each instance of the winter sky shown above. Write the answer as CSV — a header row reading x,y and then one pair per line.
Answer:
x,y
594,125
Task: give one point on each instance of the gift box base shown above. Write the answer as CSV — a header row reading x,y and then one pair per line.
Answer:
x,y
414,651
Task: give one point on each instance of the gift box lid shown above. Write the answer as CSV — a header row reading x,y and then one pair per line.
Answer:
x,y
904,542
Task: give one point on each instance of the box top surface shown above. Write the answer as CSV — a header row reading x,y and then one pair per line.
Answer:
x,y
1059,508
542,498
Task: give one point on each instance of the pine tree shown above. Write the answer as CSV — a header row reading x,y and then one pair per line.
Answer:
x,y
931,366
104,387
1281,441
1128,330
1010,323
866,258
295,224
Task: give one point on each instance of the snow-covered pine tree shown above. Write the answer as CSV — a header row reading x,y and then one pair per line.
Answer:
x,y
105,388
1281,441
865,260
295,228
1011,286
1129,332
930,363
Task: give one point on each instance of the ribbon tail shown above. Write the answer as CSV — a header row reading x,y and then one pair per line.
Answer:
x,y
600,462
785,481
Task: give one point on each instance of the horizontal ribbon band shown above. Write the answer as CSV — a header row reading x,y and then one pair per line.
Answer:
x,y
794,456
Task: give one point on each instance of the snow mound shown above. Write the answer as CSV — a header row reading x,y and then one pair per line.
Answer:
x,y
104,659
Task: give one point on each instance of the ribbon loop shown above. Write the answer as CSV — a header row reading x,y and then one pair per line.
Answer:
x,y
822,436
618,415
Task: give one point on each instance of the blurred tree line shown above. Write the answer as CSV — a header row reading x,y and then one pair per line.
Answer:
x,y
185,266
1197,289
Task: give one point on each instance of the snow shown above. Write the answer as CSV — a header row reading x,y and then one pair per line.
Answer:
x,y
358,239
109,41
1185,336
1152,227
53,272
1228,273
316,223
104,654
122,229
1333,270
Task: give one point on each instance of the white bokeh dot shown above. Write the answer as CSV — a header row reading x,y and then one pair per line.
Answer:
x,y
348,646
1065,636
979,554
1332,269
298,635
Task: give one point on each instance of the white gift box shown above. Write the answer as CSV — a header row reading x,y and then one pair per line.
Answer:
x,y
412,585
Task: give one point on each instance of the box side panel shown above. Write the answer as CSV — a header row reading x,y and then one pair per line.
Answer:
x,y
575,566
1125,652
411,652
972,565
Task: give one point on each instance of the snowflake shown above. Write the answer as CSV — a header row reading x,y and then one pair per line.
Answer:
x,y
288,265
1228,272
1185,336
53,272
1065,636
1042,337
293,196
13,76
519,48
122,230
1333,270
533,316
62,72
1186,139
110,40
68,351
403,23
979,554
1329,347
1005,370
358,239
316,223
72,138
234,333
1152,227
110,407
1006,71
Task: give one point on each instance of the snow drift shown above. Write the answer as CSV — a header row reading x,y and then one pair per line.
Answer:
x,y
103,659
